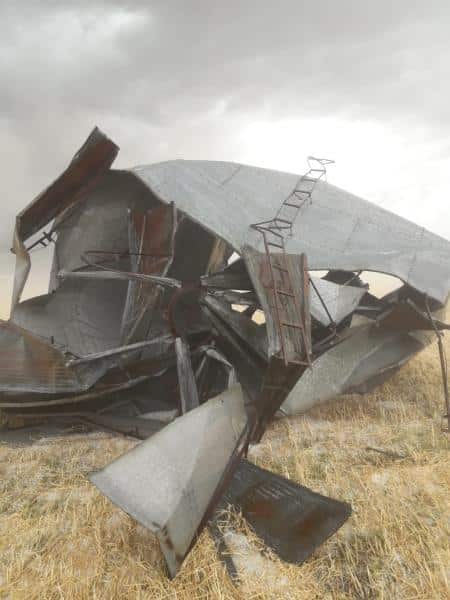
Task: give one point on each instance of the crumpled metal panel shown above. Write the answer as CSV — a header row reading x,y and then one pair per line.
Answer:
x,y
90,162
340,300
266,381
100,222
83,317
366,353
29,364
94,158
248,363
337,230
290,518
167,482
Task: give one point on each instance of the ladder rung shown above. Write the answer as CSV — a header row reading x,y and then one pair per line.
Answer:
x,y
288,225
312,179
275,245
274,266
288,324
293,205
317,170
283,220
285,293
274,233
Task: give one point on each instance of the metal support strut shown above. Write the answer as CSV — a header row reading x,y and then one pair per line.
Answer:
x,y
443,359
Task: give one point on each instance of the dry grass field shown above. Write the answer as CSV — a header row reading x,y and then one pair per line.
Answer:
x,y
60,538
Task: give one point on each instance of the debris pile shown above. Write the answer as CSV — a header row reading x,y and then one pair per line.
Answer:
x,y
192,301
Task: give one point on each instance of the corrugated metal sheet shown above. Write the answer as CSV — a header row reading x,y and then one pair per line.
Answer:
x,y
365,354
337,230
290,518
29,364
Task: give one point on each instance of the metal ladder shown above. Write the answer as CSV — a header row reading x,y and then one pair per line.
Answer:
x,y
288,211
275,232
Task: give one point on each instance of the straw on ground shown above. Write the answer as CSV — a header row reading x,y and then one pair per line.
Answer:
x,y
384,453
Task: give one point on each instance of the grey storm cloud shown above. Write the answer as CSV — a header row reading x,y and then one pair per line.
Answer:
x,y
176,78
161,61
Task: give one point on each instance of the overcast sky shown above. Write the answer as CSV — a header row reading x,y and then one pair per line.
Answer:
x,y
263,82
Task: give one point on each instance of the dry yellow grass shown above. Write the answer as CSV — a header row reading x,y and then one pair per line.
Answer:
x,y
60,538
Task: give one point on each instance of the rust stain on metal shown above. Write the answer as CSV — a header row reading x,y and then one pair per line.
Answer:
x,y
260,508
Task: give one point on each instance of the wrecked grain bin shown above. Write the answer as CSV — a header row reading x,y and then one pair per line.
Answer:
x,y
185,305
